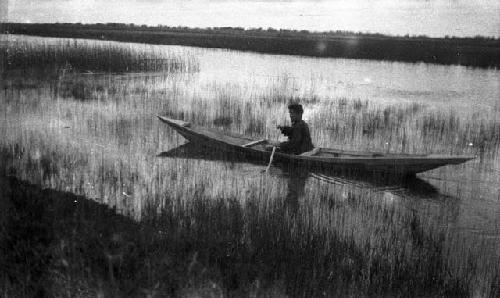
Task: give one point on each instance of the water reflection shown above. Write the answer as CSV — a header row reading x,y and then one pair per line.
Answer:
x,y
296,186
329,193
297,176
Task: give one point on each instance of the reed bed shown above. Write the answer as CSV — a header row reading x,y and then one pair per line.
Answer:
x,y
21,54
218,227
350,241
216,247
109,163
346,123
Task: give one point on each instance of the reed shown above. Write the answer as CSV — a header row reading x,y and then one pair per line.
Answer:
x,y
32,55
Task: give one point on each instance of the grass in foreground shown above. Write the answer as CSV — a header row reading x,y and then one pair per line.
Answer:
x,y
59,244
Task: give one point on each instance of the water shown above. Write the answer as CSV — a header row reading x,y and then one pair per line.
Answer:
x,y
436,18
106,146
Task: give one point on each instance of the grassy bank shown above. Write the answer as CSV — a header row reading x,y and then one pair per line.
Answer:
x,y
478,52
59,244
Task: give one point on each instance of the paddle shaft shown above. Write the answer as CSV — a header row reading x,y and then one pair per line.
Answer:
x,y
271,159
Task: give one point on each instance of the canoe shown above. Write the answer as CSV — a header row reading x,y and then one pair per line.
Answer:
x,y
321,158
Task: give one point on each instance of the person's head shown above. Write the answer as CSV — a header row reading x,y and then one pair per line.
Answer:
x,y
295,110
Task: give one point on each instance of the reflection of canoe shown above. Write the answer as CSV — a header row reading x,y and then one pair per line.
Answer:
x,y
332,159
414,186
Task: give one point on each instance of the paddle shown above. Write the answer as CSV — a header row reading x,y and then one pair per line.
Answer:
x,y
270,160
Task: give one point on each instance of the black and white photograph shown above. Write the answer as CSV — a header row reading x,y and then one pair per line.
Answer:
x,y
249,148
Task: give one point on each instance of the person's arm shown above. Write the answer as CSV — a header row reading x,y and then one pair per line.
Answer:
x,y
294,139
285,130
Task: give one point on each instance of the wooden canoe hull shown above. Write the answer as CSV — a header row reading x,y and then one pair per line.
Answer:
x,y
331,159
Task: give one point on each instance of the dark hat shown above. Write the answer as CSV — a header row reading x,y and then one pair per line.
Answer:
x,y
296,108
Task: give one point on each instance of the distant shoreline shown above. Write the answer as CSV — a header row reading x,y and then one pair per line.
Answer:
x,y
483,52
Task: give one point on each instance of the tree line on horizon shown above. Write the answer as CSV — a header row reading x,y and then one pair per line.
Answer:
x,y
476,51
281,31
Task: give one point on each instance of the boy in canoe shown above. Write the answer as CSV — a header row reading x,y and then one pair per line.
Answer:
x,y
299,138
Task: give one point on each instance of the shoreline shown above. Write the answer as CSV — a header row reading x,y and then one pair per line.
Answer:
x,y
482,52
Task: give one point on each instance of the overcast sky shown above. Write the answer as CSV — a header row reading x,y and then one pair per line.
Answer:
x,y
414,17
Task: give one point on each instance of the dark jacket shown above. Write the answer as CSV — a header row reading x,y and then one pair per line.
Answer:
x,y
299,138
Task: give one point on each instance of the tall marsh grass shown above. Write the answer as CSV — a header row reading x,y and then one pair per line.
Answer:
x,y
351,240
343,122
21,54
222,247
